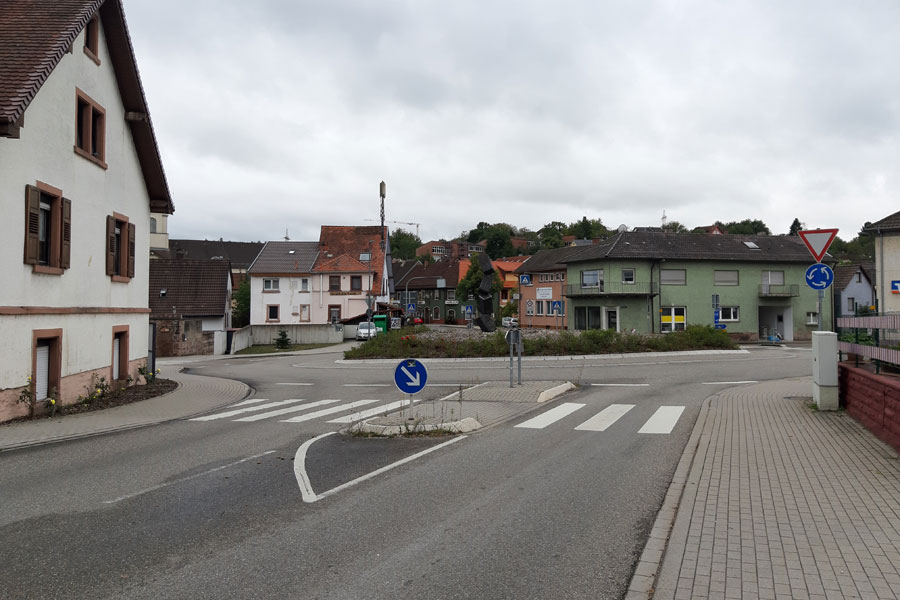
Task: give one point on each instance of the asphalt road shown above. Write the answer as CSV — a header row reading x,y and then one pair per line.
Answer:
x,y
212,508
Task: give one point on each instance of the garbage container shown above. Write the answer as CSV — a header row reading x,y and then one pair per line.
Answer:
x,y
380,322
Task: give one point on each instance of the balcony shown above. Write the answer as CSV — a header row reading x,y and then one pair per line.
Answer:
x,y
768,290
612,288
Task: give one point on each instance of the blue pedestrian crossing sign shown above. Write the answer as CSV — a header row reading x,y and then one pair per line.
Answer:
x,y
410,376
556,306
411,307
470,310
524,279
819,276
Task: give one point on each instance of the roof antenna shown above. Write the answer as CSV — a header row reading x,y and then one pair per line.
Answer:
x,y
382,190
286,238
664,222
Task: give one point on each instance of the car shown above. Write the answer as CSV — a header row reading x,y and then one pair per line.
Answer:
x,y
417,320
509,322
366,331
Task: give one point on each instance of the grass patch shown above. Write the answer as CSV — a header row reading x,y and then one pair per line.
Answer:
x,y
270,348
408,343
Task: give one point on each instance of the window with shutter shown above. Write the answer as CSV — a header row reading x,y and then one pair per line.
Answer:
x,y
120,248
48,229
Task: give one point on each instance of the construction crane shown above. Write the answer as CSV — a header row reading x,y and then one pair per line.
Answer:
x,y
399,223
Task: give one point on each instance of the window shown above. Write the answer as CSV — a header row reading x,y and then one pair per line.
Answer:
x,y
304,284
304,312
812,318
356,282
672,318
334,313
726,278
628,276
152,225
334,283
46,362
436,313
48,229
272,311
540,307
365,257
92,39
858,277
271,285
751,245
672,277
729,313
851,304
772,277
451,294
120,248
591,278
90,129
119,367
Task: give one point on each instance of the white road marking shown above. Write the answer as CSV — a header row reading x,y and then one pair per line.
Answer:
x,y
250,401
239,411
726,382
294,384
605,418
366,384
284,411
620,384
168,483
359,416
310,496
300,468
328,411
551,416
663,420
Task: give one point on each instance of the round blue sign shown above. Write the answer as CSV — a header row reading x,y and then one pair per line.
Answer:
x,y
410,376
819,276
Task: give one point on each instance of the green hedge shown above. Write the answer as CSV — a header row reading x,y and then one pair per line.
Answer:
x,y
409,343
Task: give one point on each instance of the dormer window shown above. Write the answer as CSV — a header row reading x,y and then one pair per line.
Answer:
x,y
92,39
365,257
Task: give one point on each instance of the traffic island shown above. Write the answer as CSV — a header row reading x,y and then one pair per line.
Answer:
x,y
463,411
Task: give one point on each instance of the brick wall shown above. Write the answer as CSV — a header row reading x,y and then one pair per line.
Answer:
x,y
873,400
177,337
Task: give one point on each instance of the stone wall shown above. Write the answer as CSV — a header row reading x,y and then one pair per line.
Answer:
x,y
873,400
183,337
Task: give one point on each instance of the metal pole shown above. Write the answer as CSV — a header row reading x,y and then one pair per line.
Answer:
x,y
511,343
519,350
821,308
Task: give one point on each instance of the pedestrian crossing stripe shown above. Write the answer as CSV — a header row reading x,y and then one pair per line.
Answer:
x,y
284,411
551,416
662,421
605,418
328,411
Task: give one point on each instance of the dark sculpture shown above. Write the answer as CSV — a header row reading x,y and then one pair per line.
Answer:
x,y
485,302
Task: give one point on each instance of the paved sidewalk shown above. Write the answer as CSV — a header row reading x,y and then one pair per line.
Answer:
x,y
779,501
195,395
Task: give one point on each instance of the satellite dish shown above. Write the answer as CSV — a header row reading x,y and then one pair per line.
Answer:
x,y
622,228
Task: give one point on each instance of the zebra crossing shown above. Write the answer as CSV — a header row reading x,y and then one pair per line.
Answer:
x,y
259,409
662,421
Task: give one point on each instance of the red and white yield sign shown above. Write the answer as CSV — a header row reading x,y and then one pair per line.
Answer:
x,y
818,241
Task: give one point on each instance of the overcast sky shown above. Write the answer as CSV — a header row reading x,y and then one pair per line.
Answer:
x,y
284,114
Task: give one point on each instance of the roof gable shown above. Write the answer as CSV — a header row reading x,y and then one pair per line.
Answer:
x,y
193,288
354,241
889,223
341,264
284,258
36,34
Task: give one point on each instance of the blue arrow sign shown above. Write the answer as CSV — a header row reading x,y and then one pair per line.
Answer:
x,y
410,376
716,316
524,279
720,325
556,306
411,307
819,276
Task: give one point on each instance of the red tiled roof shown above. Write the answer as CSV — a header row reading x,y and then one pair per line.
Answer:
x,y
341,264
354,241
36,34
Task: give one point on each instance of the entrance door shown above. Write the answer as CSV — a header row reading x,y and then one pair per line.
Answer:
x,y
612,319
42,371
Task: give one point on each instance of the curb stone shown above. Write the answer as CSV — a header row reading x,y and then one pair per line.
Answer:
x,y
646,572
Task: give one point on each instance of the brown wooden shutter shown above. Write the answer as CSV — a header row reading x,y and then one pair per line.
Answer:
x,y
110,245
131,249
32,224
65,250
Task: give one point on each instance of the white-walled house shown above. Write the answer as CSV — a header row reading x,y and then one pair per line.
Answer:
x,y
281,283
80,173
887,261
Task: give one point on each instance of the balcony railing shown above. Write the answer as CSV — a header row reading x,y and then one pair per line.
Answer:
x,y
613,288
782,291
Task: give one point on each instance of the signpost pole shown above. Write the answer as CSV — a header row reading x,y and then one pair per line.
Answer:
x,y
509,336
519,349
821,306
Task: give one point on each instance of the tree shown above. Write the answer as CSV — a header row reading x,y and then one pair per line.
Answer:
x,y
587,229
472,281
796,226
282,342
498,242
477,234
404,244
551,234
240,314
747,227
676,227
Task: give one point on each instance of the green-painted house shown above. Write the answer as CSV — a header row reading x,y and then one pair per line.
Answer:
x,y
661,282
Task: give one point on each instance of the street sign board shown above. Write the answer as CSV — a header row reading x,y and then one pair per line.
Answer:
x,y
524,279
716,315
818,241
410,376
556,306
720,325
411,307
544,293
819,276
895,287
